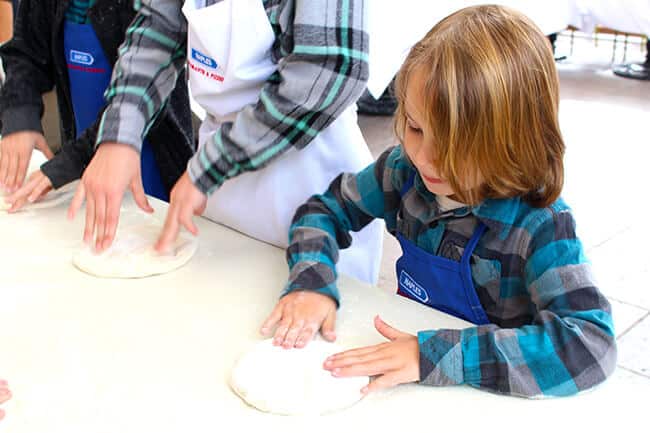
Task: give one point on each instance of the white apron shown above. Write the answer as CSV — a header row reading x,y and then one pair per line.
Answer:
x,y
229,60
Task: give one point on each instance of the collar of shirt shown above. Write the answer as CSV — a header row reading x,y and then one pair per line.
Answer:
x,y
496,214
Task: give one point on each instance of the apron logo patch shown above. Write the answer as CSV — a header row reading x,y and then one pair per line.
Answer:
x,y
411,286
203,59
81,58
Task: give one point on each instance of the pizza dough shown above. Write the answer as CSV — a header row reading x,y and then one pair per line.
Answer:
x,y
51,199
293,381
132,254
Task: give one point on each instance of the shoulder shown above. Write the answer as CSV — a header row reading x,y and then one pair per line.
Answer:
x,y
392,169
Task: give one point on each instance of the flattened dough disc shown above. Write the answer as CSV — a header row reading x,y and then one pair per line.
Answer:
x,y
132,254
293,381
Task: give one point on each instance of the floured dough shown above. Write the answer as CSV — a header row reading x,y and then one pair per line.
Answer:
x,y
51,199
293,381
132,254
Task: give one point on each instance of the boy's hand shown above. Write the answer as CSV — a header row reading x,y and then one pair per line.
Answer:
x,y
36,187
114,168
15,153
299,315
5,395
395,362
185,201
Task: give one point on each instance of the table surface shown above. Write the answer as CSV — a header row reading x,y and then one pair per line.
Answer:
x,y
91,355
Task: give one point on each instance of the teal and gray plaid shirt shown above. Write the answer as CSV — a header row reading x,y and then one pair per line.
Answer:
x,y
77,11
321,49
551,330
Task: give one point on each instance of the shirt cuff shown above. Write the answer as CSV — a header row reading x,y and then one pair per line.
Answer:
x,y
24,118
441,357
123,124
315,277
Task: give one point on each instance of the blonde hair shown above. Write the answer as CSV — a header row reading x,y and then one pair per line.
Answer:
x,y
491,97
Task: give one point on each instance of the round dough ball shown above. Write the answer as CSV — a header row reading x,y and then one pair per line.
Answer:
x,y
132,254
293,381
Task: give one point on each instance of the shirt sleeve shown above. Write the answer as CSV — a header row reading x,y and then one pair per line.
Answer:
x,y
321,226
323,70
151,59
569,347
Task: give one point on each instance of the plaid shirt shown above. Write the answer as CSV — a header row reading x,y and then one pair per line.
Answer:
x,y
322,54
77,11
550,331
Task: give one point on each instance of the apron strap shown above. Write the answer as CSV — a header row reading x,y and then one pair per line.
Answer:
x,y
471,245
408,185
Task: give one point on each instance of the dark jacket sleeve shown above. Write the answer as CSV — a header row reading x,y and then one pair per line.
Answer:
x,y
29,70
70,162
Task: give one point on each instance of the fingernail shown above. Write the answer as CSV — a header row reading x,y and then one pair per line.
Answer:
x,y
336,372
364,390
328,363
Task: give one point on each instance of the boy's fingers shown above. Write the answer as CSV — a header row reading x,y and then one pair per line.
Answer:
x,y
270,322
385,381
3,168
42,187
328,328
89,229
22,170
283,327
77,200
306,335
17,204
139,195
170,230
100,221
187,222
386,330
112,220
371,367
11,172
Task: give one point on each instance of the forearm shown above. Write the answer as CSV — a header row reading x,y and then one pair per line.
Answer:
x,y
69,164
569,346
152,57
322,226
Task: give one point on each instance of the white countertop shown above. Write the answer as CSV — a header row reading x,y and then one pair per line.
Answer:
x,y
89,355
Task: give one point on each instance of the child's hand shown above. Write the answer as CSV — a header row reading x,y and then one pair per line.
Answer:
x,y
299,315
395,362
36,187
5,395
185,202
15,153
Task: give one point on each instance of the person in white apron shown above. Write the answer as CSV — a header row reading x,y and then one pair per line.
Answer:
x,y
261,203
229,59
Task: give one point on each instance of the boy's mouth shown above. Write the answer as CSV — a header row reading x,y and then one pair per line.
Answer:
x,y
431,179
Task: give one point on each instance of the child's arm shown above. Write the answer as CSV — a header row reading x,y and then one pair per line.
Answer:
x,y
569,347
70,162
28,66
319,228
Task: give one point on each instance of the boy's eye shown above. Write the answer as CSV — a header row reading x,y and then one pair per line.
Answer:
x,y
413,127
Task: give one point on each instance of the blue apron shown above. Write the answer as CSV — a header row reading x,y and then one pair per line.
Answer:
x,y
439,282
90,74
